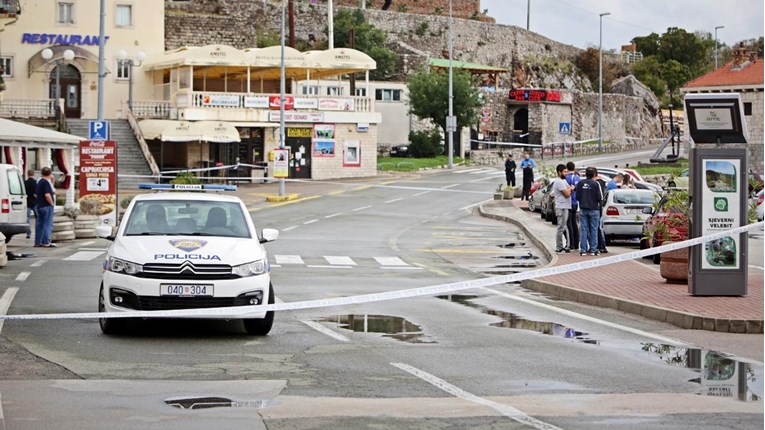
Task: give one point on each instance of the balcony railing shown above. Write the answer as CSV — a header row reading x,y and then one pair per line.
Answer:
x,y
151,109
219,100
22,108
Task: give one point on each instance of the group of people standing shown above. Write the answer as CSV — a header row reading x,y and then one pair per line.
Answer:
x,y
41,201
573,194
527,167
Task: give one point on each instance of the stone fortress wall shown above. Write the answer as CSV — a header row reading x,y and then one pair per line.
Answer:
x,y
416,38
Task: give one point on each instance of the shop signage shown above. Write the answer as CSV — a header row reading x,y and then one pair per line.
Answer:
x,y
61,39
335,104
256,102
274,102
720,211
297,116
98,179
535,96
306,103
223,100
281,163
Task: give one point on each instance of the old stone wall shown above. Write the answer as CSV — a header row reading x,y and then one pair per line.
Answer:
x,y
623,117
755,125
460,8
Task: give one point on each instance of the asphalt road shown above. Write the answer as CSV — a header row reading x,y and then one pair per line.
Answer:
x,y
495,357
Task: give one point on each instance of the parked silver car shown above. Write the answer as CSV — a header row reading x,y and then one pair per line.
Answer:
x,y
622,216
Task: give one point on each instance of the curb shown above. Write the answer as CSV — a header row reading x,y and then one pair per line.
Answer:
x,y
680,319
288,197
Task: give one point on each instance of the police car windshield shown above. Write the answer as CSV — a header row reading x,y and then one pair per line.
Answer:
x,y
187,218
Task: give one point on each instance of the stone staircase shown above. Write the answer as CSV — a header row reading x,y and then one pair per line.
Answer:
x,y
129,156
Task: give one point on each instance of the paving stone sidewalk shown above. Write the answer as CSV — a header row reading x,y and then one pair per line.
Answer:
x,y
633,286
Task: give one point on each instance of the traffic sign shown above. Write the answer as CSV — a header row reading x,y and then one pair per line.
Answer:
x,y
451,123
98,130
564,128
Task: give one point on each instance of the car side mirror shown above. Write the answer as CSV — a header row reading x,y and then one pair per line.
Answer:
x,y
648,211
269,235
104,232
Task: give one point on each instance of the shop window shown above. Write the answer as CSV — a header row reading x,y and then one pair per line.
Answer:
x,y
388,95
6,66
123,16
748,109
361,92
65,13
312,90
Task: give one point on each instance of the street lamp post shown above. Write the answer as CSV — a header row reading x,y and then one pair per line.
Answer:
x,y
450,118
717,28
131,63
600,84
282,89
47,54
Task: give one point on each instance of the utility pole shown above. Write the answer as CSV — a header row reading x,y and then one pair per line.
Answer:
x,y
528,14
600,84
101,66
450,119
717,28
291,7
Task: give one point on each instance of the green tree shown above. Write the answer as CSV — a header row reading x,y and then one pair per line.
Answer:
x,y
685,48
648,71
588,62
675,75
429,96
369,40
648,45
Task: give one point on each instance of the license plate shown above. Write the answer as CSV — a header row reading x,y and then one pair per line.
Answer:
x,y
634,211
185,290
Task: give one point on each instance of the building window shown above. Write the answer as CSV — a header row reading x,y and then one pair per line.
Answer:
x,y
123,16
65,13
388,95
6,66
361,92
748,109
334,91
123,70
312,90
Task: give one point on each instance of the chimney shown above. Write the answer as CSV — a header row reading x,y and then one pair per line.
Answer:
x,y
740,55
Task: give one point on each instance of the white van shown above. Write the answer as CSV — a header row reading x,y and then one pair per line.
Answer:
x,y
13,202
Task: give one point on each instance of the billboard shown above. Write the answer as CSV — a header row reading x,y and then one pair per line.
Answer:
x,y
98,180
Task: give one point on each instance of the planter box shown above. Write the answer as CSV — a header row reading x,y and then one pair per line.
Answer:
x,y
674,266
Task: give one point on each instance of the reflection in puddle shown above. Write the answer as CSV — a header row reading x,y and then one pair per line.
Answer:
x,y
394,327
527,256
510,320
721,375
213,402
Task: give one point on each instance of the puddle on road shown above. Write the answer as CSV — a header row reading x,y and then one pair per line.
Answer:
x,y
394,327
513,245
213,402
528,256
721,375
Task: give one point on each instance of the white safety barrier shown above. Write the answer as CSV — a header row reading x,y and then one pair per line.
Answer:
x,y
243,311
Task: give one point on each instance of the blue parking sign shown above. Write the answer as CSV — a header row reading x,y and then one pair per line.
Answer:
x,y
564,128
98,130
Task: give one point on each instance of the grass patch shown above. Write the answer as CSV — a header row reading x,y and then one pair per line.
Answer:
x,y
660,170
405,164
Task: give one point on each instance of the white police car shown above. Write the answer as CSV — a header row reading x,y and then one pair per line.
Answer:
x,y
186,250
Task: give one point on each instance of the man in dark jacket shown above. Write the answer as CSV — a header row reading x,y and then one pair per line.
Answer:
x,y
572,178
30,185
589,195
510,170
46,203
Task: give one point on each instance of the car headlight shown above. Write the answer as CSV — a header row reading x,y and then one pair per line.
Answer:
x,y
258,267
121,266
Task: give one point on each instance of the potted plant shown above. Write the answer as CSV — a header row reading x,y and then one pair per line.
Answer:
x,y
670,222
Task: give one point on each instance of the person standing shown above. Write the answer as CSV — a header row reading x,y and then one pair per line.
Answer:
x,y
589,195
527,166
46,202
562,194
627,181
510,170
30,185
572,178
615,183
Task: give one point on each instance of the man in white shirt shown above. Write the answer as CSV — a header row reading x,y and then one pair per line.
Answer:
x,y
562,194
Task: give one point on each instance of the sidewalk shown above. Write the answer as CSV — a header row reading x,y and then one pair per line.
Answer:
x,y
633,286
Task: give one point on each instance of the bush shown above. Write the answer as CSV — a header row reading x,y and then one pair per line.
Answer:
x,y
425,144
186,178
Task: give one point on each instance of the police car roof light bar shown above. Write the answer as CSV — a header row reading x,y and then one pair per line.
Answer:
x,y
187,187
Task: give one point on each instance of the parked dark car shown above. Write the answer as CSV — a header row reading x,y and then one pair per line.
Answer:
x,y
399,151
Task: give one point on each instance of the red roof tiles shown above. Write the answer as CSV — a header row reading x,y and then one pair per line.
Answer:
x,y
727,75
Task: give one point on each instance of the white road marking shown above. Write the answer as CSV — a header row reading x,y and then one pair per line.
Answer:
x,y
361,208
23,276
638,332
320,266
400,268
38,263
395,200
482,171
83,256
505,410
390,261
450,186
333,215
290,228
341,260
5,303
321,329
310,221
90,242
419,194
756,267
288,259
92,249
276,265
474,204
467,170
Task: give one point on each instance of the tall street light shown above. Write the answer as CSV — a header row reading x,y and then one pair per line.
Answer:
x,y
47,54
450,122
282,89
717,28
600,84
130,63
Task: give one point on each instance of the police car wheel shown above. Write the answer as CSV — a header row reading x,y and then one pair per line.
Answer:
x,y
261,327
110,325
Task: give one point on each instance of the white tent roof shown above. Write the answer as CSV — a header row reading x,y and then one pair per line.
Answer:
x,y
187,131
13,132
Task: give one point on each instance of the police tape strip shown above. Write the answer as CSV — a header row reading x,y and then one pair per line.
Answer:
x,y
245,311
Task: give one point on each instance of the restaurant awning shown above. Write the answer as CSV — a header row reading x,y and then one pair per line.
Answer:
x,y
266,62
216,131
186,131
338,61
209,55
20,134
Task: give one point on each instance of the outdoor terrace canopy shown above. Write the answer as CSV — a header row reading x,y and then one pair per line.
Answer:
x,y
472,68
187,131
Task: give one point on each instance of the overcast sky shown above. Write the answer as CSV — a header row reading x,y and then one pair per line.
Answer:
x,y
575,22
